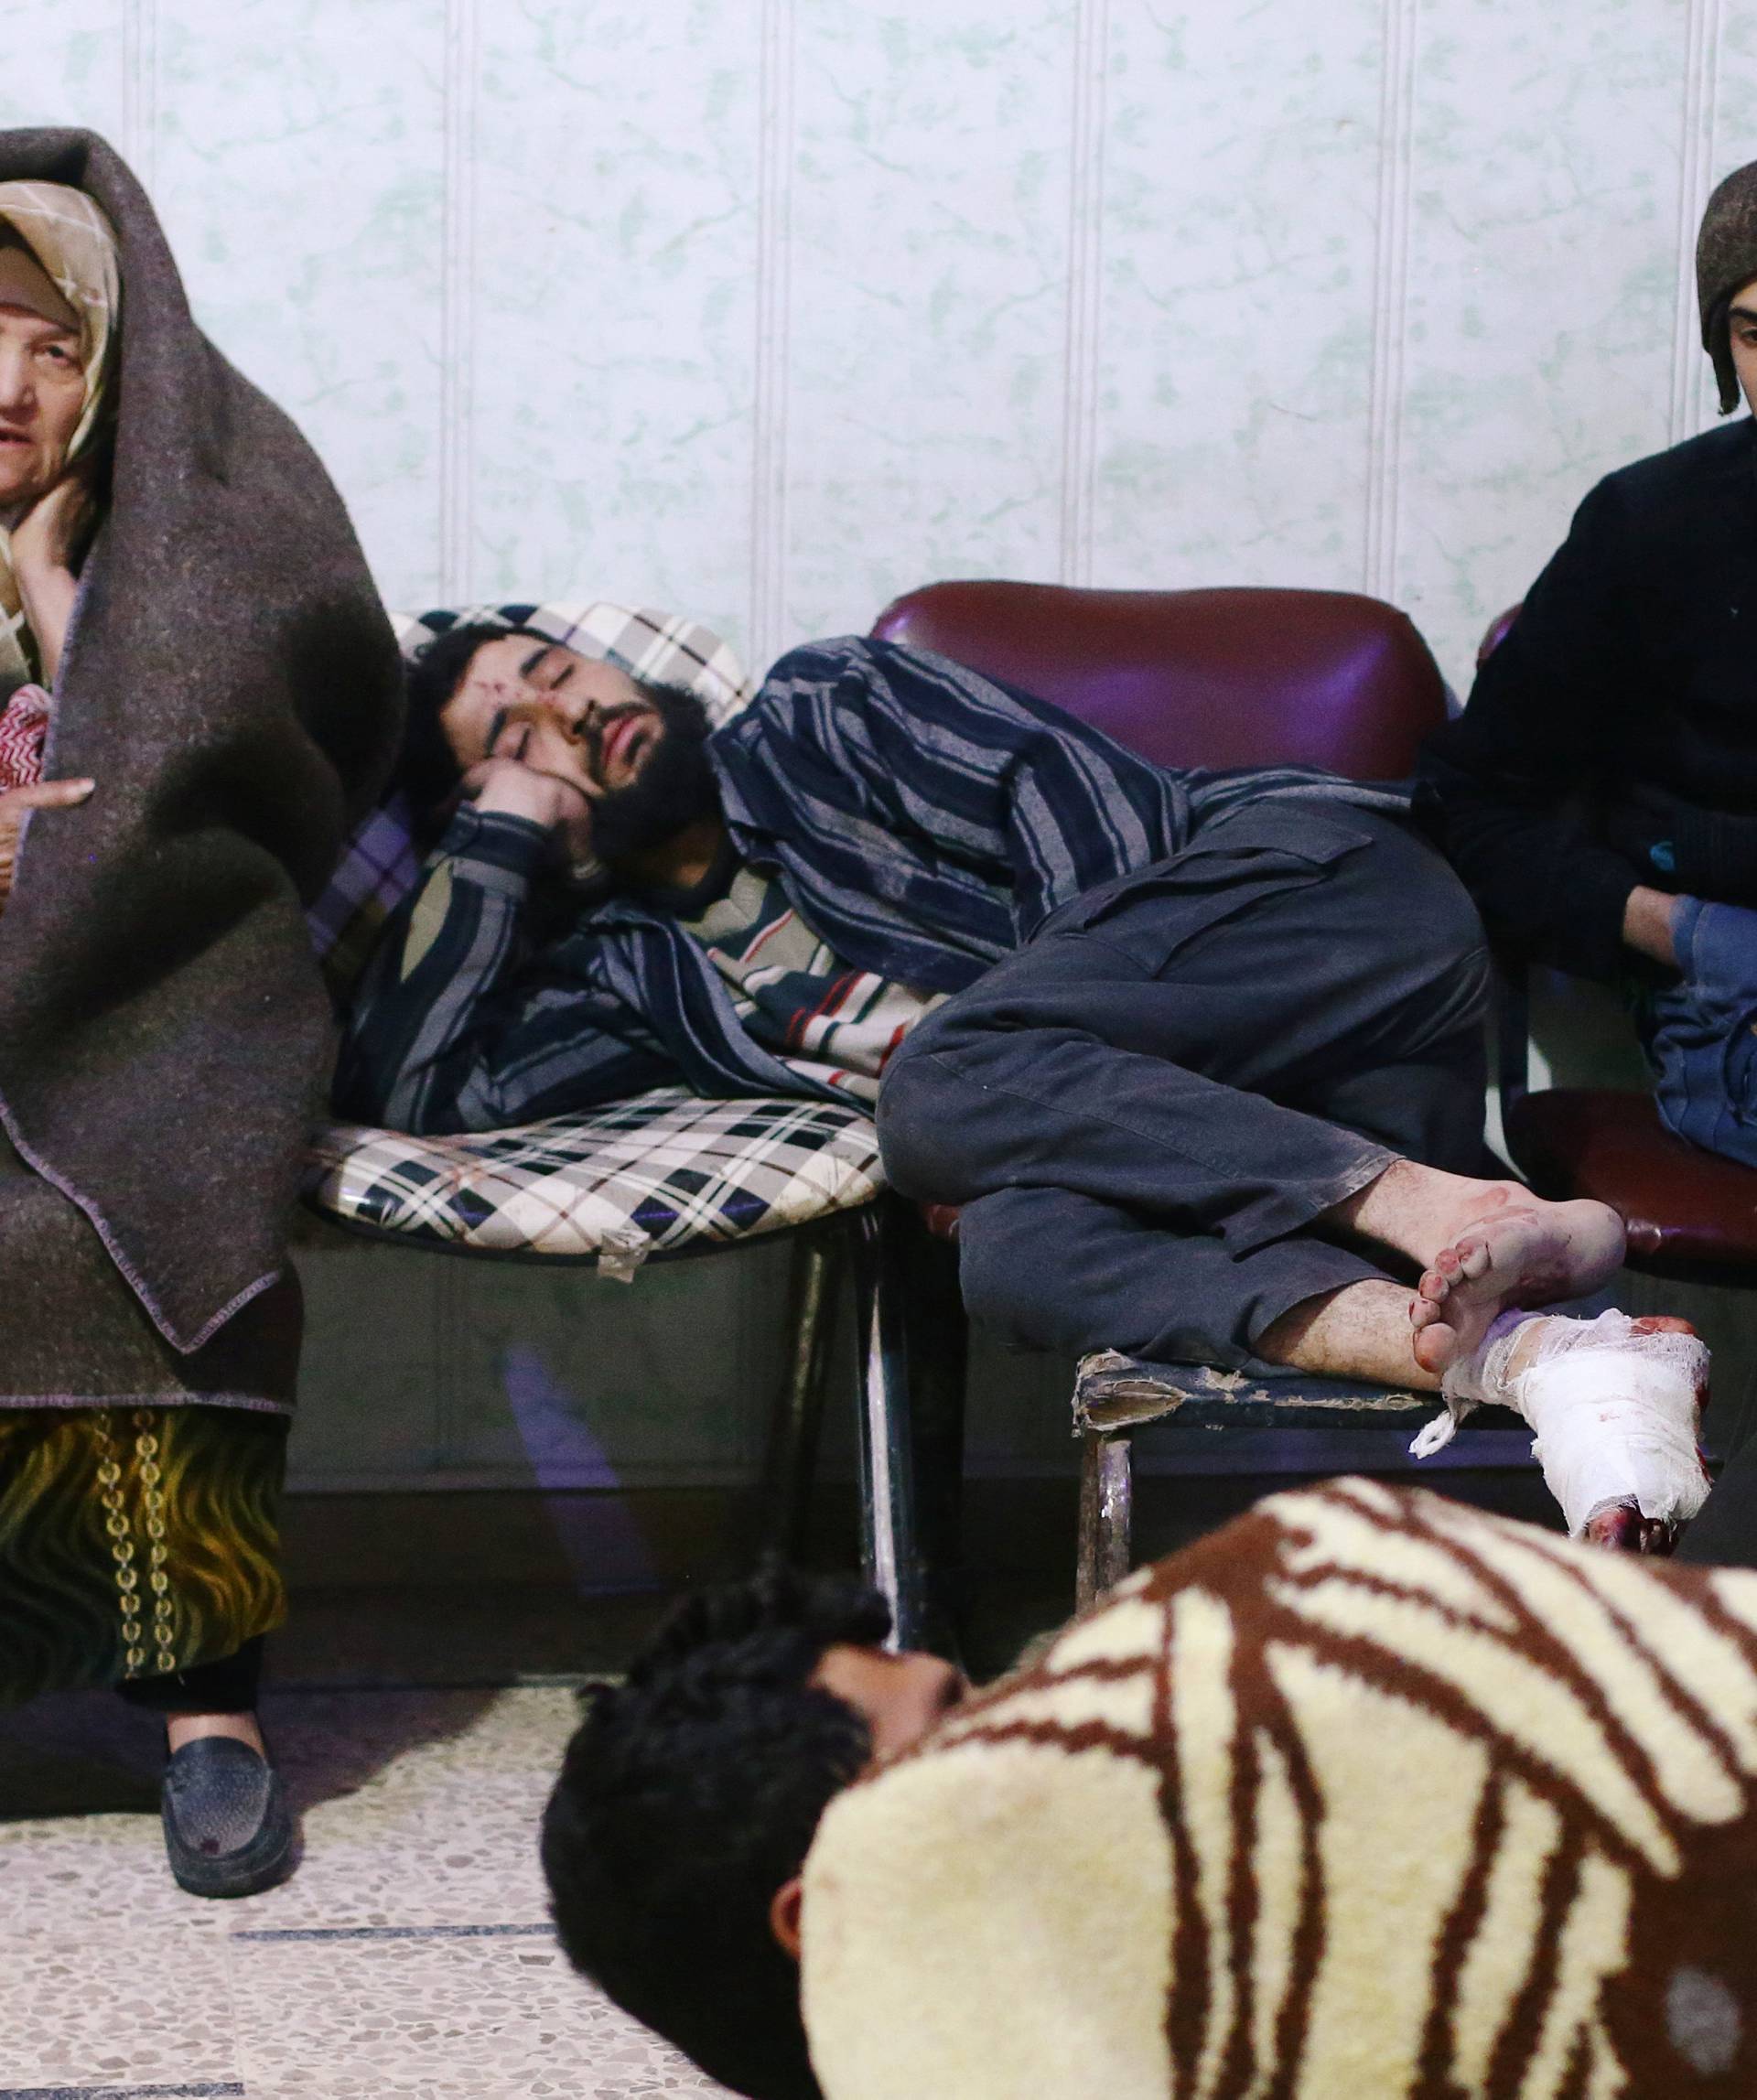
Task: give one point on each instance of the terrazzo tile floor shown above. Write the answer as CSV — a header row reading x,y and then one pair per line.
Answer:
x,y
409,1955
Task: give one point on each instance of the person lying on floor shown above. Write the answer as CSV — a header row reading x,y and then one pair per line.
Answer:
x,y
1599,794
1367,1795
1228,1093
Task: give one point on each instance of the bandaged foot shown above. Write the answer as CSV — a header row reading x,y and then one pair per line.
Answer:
x,y
1615,1403
1526,1255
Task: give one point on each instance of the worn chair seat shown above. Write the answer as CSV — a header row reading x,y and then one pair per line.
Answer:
x,y
663,1174
1687,1211
1117,1396
1117,1392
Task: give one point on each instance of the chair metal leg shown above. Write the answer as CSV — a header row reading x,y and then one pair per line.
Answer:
x,y
887,1457
789,1465
1106,1510
936,1332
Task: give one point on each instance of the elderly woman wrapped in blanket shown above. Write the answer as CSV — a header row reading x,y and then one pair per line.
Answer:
x,y
198,693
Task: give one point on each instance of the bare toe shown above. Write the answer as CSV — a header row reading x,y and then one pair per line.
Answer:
x,y
1438,1280
1435,1343
1623,1529
1474,1260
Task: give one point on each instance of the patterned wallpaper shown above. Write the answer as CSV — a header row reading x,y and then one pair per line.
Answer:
x,y
769,310
772,308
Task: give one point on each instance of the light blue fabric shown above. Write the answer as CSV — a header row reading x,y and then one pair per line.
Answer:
x,y
1701,1041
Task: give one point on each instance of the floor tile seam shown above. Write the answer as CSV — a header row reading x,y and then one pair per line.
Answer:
x,y
190,2089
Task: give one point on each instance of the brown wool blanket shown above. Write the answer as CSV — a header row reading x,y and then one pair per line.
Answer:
x,y
231,685
1367,1796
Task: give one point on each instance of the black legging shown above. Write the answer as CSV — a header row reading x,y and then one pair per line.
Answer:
x,y
227,1687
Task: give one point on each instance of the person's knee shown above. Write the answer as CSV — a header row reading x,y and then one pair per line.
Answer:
x,y
926,1119
1007,1262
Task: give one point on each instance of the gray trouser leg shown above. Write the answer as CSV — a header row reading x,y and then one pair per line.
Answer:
x,y
1143,1109
1047,1269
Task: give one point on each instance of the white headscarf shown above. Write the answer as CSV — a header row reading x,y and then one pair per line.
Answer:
x,y
76,246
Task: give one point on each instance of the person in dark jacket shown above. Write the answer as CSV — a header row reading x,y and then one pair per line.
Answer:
x,y
1599,794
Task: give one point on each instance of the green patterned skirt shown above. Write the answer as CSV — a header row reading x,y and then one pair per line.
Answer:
x,y
135,1541
139,1488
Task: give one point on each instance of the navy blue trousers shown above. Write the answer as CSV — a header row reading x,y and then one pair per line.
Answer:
x,y
1144,1110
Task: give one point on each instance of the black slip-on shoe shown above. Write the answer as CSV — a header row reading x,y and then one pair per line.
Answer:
x,y
228,1829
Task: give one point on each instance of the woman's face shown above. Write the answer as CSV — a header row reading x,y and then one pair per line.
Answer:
x,y
42,393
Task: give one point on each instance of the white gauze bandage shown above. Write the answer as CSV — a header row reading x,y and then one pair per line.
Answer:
x,y
1616,1411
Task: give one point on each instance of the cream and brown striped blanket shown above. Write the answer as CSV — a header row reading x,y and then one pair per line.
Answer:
x,y
1367,1794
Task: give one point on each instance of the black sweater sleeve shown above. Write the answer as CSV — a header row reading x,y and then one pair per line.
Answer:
x,y
1545,726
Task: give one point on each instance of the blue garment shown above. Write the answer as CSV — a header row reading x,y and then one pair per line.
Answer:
x,y
1699,1030
923,818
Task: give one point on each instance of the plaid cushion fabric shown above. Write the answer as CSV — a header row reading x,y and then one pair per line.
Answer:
x,y
378,869
379,865
647,1175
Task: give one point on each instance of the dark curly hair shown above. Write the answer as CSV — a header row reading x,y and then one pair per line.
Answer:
x,y
688,1796
428,771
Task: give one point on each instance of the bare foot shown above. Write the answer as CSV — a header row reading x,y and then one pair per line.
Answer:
x,y
1525,1255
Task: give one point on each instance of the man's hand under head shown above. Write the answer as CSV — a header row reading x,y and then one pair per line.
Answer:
x,y
562,806
17,804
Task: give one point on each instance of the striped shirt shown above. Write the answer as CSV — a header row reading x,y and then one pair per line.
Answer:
x,y
921,819
825,1020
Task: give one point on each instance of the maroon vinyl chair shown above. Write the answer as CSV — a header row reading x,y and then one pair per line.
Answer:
x,y
1691,1216
1229,677
1222,677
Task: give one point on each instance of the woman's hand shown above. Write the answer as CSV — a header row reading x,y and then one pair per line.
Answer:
x,y
15,804
43,545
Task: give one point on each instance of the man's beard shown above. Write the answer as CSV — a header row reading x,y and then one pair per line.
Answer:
x,y
676,787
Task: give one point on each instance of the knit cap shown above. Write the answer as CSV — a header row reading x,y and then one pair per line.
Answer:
x,y
1725,257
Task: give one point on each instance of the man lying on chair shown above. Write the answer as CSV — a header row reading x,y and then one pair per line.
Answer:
x,y
1210,1079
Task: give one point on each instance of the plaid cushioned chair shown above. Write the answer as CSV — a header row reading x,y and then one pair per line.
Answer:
x,y
1232,677
664,1175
